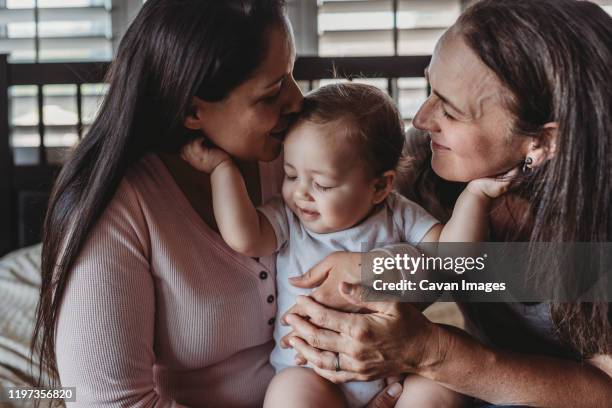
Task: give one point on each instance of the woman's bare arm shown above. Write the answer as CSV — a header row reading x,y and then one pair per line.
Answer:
x,y
501,377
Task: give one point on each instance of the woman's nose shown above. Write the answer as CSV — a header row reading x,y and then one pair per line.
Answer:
x,y
294,98
425,117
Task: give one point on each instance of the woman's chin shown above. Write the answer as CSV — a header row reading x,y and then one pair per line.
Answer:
x,y
449,172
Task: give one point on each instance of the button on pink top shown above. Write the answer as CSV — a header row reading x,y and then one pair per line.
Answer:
x,y
159,311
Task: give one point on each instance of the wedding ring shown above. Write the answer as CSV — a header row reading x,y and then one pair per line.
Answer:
x,y
338,362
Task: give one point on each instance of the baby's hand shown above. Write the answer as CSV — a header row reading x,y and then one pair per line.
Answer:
x,y
203,158
492,187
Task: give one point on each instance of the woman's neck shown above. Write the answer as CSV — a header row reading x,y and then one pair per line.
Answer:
x,y
197,188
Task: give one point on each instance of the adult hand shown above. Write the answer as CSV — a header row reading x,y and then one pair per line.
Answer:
x,y
202,157
326,276
394,338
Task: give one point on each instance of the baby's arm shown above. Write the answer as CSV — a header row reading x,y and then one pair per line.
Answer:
x,y
470,219
242,227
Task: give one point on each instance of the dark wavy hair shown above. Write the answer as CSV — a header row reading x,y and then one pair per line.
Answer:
x,y
374,124
554,56
172,51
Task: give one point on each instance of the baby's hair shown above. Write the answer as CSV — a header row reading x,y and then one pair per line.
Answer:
x,y
373,123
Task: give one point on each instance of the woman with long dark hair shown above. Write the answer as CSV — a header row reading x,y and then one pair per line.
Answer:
x,y
513,82
141,303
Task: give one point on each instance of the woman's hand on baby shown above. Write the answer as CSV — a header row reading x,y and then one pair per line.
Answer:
x,y
325,278
202,157
394,338
492,187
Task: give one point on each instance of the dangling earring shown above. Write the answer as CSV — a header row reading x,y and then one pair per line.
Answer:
x,y
526,164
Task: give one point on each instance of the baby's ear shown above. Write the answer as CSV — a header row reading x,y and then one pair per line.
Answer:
x,y
383,186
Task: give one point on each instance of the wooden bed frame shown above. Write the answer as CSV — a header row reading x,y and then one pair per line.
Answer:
x,y
24,189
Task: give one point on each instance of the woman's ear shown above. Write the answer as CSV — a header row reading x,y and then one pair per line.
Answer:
x,y
544,147
195,116
383,186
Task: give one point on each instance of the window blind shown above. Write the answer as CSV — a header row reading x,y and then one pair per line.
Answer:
x,y
55,30
386,27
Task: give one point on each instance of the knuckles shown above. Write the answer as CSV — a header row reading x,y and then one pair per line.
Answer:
x,y
313,340
320,318
362,333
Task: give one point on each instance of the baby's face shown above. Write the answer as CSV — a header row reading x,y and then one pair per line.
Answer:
x,y
326,184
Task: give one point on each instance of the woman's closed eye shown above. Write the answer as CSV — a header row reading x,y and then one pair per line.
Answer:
x,y
290,177
447,115
268,100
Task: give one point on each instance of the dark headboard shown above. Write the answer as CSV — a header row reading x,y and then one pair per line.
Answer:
x,y
24,189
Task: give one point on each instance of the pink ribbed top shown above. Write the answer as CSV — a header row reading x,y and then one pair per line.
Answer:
x,y
159,311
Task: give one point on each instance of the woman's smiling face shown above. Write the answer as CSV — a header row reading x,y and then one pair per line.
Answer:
x,y
250,122
466,116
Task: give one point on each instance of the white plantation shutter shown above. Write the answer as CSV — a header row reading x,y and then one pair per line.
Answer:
x,y
366,28
55,30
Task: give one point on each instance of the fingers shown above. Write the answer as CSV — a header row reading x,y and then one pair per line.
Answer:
x,y
326,360
387,397
315,336
293,310
322,316
318,358
299,359
338,377
196,154
511,174
358,294
316,275
188,152
284,341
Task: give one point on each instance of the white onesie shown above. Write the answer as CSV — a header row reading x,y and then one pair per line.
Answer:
x,y
396,220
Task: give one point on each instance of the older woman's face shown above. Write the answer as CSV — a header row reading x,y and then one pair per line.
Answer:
x,y
465,115
250,122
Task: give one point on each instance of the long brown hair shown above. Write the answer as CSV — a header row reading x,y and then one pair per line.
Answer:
x,y
173,50
554,56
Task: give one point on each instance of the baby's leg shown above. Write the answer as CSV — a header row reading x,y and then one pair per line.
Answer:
x,y
424,393
302,387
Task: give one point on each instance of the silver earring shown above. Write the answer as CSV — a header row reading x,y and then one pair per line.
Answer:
x,y
527,164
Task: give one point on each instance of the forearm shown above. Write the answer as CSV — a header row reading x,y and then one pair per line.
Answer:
x,y
235,214
466,366
470,219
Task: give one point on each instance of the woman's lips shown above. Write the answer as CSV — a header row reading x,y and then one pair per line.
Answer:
x,y
437,146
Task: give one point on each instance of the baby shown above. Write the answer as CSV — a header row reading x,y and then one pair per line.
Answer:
x,y
340,158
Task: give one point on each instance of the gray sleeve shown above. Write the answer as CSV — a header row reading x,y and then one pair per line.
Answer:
x,y
276,212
